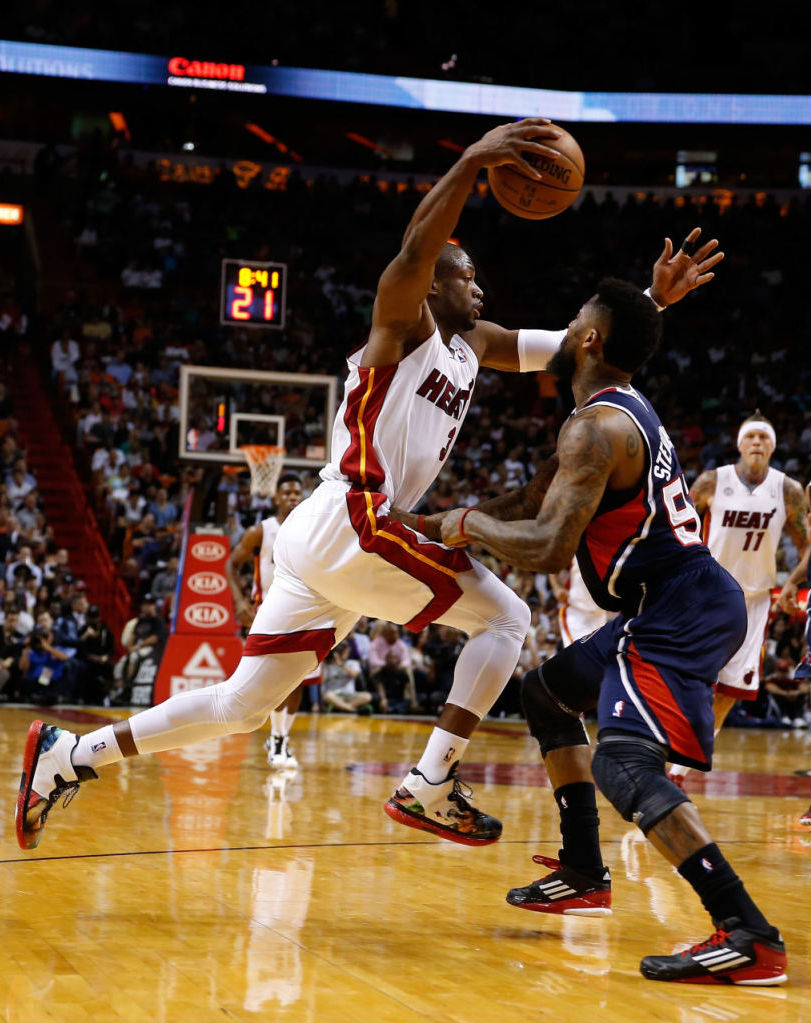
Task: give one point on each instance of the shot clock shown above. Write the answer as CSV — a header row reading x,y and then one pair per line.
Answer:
x,y
253,294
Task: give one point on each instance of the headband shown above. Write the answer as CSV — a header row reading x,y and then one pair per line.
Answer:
x,y
757,424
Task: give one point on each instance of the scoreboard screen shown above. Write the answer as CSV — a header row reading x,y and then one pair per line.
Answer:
x,y
253,294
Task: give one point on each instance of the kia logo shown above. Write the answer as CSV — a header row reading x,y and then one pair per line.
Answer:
x,y
207,583
205,615
208,550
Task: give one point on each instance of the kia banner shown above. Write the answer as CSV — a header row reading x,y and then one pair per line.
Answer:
x,y
203,647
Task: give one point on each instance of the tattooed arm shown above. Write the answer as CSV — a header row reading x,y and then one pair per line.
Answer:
x,y
798,527
598,447
703,491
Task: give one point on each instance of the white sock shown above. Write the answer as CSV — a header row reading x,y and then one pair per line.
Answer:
x,y
277,722
97,749
440,754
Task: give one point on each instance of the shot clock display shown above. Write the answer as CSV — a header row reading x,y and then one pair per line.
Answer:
x,y
253,294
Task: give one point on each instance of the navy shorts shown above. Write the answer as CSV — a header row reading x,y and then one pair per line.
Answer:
x,y
658,666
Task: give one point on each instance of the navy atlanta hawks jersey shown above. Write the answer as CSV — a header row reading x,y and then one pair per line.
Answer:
x,y
397,424
638,537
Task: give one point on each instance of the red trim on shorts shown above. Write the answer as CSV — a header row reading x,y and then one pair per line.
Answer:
x,y
319,641
608,536
738,694
680,735
360,463
432,564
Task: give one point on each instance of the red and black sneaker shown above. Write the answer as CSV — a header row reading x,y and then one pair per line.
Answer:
x,y
564,891
733,955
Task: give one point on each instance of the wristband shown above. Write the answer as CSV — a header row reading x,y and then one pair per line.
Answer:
x,y
660,308
460,527
536,348
421,524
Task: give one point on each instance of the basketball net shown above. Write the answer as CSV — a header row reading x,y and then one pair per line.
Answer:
x,y
265,462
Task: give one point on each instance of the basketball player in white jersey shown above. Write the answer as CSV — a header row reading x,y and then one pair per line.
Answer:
x,y
578,614
257,543
340,554
745,508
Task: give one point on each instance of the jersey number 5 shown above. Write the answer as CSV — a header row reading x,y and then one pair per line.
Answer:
x,y
681,515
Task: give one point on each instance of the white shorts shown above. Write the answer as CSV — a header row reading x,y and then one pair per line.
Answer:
x,y
575,623
740,676
339,556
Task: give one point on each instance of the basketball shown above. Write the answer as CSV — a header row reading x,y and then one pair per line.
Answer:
x,y
555,192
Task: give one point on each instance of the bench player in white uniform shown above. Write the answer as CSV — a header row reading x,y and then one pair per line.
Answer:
x,y
746,507
578,614
257,543
340,554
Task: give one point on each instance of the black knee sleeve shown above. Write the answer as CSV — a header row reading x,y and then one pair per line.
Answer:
x,y
552,723
630,773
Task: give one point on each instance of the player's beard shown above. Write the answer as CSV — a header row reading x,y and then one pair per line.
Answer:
x,y
562,364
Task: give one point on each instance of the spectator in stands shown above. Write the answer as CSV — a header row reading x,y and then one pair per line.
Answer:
x,y
66,627
790,695
19,482
12,639
24,562
48,671
119,369
162,509
97,650
394,686
65,355
164,583
11,606
387,649
143,637
30,516
340,677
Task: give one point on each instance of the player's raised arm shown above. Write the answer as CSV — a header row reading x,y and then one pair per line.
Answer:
x,y
401,316
528,351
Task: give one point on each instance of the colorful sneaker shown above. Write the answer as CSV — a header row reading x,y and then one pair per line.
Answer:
x,y
733,955
443,808
282,757
564,891
48,774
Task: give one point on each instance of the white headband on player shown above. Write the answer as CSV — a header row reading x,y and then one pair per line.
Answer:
x,y
757,424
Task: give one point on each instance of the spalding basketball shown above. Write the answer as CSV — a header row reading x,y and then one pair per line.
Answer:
x,y
558,188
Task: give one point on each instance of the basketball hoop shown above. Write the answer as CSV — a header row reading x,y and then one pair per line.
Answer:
x,y
265,462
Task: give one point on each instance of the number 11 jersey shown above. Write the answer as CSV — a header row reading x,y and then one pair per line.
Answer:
x,y
743,527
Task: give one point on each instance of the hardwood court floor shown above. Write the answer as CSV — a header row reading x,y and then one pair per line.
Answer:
x,y
199,886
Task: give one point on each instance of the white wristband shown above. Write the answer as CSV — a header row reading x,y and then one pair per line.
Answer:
x,y
536,348
661,308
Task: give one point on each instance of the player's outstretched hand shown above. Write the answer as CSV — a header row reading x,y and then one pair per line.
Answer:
x,y
509,142
676,274
787,598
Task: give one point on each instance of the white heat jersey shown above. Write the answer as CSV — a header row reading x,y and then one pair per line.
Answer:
x,y
745,526
397,424
267,566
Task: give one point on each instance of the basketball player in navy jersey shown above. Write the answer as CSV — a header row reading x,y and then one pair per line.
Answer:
x,y
618,499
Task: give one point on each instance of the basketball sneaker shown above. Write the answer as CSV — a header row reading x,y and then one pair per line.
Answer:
x,y
48,775
733,955
280,755
564,891
804,820
677,779
444,808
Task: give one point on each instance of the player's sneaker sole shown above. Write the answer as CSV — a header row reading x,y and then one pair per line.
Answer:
x,y
28,824
415,820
